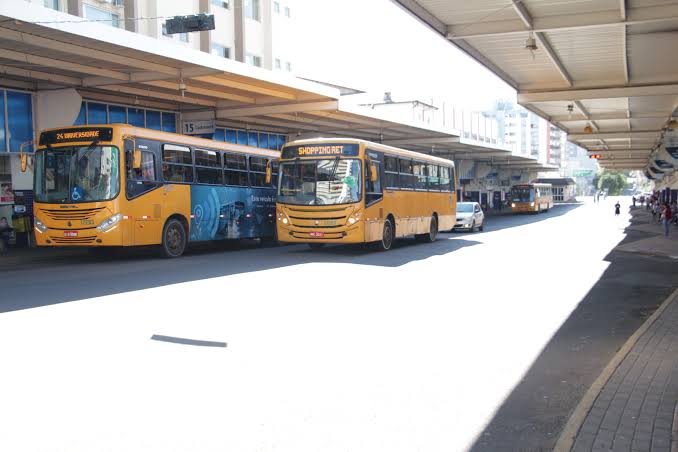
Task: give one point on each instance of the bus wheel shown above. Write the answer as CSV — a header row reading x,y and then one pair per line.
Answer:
x,y
316,246
432,234
386,237
173,238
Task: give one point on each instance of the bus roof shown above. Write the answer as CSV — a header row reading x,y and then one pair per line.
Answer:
x,y
141,132
377,147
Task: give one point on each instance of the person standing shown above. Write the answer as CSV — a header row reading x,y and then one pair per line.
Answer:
x,y
617,208
666,218
633,198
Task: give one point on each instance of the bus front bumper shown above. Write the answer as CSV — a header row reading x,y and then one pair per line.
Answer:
x,y
348,234
79,237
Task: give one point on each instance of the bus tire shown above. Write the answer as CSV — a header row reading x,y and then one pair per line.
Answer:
x,y
316,246
173,239
432,234
387,237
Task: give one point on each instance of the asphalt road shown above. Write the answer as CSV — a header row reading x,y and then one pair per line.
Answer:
x,y
426,347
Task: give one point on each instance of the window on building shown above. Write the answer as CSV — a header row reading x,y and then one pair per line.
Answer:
x,y
102,16
288,66
276,7
53,4
221,51
253,60
287,11
164,30
183,37
19,120
252,9
153,120
277,63
220,3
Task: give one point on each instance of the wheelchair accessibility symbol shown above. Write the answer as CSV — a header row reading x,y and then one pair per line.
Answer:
x,y
77,194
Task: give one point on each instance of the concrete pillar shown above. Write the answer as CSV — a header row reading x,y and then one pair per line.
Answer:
x,y
267,24
131,12
239,29
75,7
205,38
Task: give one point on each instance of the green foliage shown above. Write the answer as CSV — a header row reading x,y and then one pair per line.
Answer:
x,y
613,181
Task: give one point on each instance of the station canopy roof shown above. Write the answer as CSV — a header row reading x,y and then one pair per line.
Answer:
x,y
603,70
45,49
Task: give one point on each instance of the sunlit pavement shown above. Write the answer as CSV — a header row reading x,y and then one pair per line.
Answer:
x,y
333,350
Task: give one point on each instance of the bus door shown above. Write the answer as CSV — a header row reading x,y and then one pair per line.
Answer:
x,y
374,194
145,200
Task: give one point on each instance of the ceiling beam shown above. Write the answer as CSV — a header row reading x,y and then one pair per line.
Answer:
x,y
622,9
650,134
78,51
608,116
423,15
635,16
159,95
423,140
546,45
523,13
44,76
202,91
599,93
586,114
249,87
278,108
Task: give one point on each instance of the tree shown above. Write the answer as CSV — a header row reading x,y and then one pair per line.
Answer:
x,y
613,181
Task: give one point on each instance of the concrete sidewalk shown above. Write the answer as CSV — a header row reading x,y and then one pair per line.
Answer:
x,y
655,244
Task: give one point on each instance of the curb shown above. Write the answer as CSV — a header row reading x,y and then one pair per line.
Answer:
x,y
569,433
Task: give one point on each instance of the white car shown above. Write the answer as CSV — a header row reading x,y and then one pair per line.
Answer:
x,y
469,216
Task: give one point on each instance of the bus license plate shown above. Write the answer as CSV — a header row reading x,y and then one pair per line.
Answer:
x,y
70,233
317,234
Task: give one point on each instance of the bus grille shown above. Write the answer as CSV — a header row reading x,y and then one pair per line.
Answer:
x,y
73,240
80,214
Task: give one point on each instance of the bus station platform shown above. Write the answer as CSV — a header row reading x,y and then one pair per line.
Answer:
x,y
633,404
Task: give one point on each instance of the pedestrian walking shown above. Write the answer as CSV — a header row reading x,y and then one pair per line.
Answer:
x,y
633,198
617,207
674,212
642,200
666,218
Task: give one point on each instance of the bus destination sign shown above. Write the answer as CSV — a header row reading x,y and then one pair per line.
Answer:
x,y
321,150
79,134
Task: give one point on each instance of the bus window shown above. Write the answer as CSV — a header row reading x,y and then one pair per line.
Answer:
x,y
391,172
235,170
208,167
444,178
406,176
433,178
142,180
177,163
373,191
258,171
420,178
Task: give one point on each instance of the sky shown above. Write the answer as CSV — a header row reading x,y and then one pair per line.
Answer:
x,y
375,46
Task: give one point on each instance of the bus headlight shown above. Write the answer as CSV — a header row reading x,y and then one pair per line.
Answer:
x,y
109,223
531,204
354,217
39,226
282,217
513,204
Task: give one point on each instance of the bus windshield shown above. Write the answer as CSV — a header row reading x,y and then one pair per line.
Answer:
x,y
320,182
522,194
77,174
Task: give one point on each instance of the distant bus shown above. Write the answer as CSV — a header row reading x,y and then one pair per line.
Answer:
x,y
354,191
533,198
119,185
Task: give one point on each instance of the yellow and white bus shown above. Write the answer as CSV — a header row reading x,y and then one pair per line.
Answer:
x,y
354,191
120,185
534,198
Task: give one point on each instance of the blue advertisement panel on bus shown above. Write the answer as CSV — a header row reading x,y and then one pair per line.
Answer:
x,y
231,212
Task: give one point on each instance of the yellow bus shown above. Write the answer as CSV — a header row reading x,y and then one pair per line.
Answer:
x,y
119,185
354,191
534,198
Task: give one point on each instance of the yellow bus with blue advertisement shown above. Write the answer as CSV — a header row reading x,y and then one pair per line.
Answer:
x,y
338,190
117,185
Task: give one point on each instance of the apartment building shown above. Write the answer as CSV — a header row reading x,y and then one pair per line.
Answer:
x,y
256,32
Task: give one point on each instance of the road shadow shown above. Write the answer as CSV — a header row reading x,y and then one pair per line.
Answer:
x,y
77,275
507,221
534,414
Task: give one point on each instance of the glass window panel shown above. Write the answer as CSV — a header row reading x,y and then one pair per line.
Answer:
x,y
391,164
258,164
238,178
117,114
219,135
153,120
19,119
263,140
169,122
79,121
281,142
147,170
210,176
135,116
177,173
100,15
207,158
253,139
96,113
242,137
231,136
176,154
405,166
235,161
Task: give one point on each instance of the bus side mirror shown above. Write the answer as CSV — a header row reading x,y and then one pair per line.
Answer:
x,y
136,159
268,172
374,174
24,162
